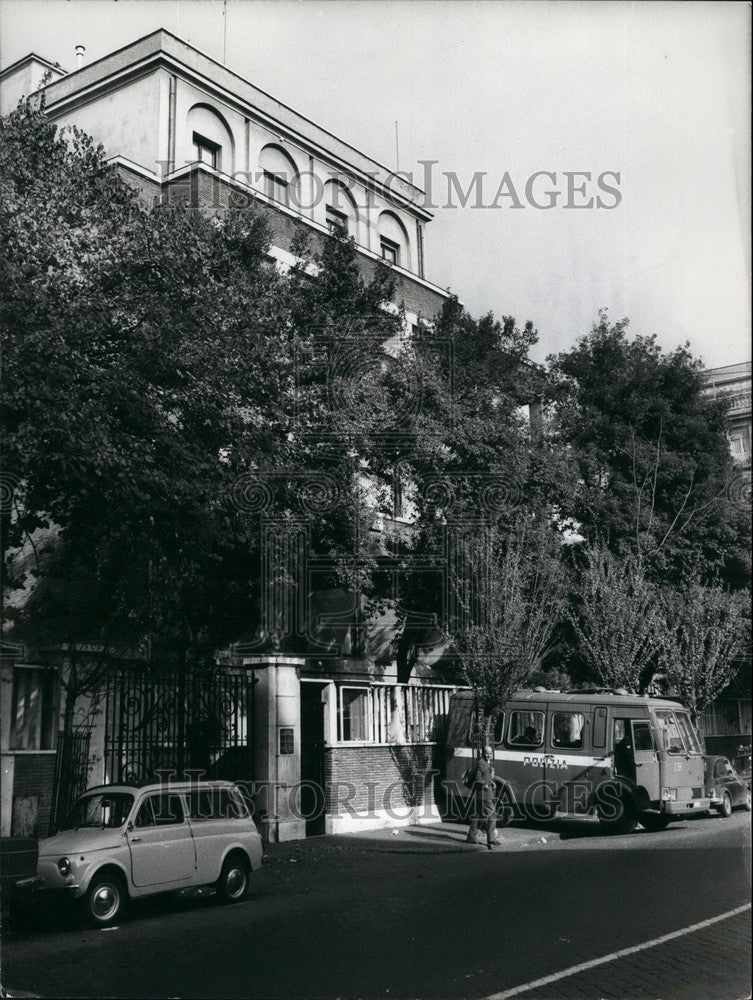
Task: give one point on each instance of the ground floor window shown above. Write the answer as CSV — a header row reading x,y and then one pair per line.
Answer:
x,y
32,709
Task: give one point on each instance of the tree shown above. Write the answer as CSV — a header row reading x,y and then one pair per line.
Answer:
x,y
162,385
654,477
616,619
510,594
706,632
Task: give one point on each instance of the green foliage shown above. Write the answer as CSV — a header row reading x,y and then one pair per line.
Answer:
x,y
652,468
160,374
707,630
617,620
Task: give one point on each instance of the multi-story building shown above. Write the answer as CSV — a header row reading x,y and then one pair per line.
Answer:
x,y
177,122
727,722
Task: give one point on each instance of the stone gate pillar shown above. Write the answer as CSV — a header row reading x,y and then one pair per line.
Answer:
x,y
276,734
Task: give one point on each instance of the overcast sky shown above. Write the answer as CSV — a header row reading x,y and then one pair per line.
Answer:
x,y
657,92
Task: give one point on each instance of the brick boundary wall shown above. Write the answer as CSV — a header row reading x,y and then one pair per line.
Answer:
x,y
34,776
402,778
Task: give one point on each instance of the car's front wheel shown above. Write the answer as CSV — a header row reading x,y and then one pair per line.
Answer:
x,y
234,880
105,899
725,809
746,801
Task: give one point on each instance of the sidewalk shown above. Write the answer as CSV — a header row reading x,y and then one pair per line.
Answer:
x,y
432,838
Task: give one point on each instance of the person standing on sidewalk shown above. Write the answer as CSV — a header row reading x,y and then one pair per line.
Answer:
x,y
484,799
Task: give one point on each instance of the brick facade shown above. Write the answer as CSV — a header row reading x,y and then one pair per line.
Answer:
x,y
33,780
374,781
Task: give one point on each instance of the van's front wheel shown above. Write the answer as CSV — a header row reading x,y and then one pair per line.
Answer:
x,y
654,822
616,811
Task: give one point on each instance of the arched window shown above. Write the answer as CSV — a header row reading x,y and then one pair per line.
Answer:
x,y
394,246
340,209
279,173
210,137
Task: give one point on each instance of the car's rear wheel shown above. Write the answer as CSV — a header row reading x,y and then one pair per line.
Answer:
x,y
746,801
654,822
725,808
234,880
105,899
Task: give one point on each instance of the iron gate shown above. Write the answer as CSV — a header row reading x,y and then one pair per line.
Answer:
x,y
71,774
174,721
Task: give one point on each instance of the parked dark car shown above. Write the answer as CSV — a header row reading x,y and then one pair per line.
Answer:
x,y
741,763
725,787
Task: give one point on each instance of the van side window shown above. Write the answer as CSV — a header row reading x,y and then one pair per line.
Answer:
x,y
642,738
499,727
525,729
600,728
567,730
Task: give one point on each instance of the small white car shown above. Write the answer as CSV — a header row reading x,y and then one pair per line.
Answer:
x,y
123,842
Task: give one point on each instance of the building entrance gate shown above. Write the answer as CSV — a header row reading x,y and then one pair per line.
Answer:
x,y
173,720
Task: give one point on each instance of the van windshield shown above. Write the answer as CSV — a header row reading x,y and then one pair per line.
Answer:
x,y
670,730
104,809
692,742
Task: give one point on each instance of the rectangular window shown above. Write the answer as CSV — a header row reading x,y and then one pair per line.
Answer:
x,y
567,730
354,714
337,222
276,187
32,710
692,743
642,738
168,809
670,731
390,251
600,728
206,151
215,803
526,729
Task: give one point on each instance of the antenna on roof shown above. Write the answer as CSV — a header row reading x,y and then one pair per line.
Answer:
x,y
224,31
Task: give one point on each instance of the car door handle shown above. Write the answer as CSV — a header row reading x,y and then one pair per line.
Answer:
x,y
135,840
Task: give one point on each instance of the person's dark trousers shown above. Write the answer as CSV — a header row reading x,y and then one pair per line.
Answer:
x,y
484,816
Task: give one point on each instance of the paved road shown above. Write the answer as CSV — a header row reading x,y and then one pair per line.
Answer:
x,y
338,918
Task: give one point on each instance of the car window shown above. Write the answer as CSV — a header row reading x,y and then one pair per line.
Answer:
x,y
168,809
103,809
215,803
144,816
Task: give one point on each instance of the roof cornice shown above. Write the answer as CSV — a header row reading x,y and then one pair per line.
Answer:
x,y
161,49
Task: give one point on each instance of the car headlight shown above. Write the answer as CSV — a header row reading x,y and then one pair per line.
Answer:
x,y
669,794
711,793
64,866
